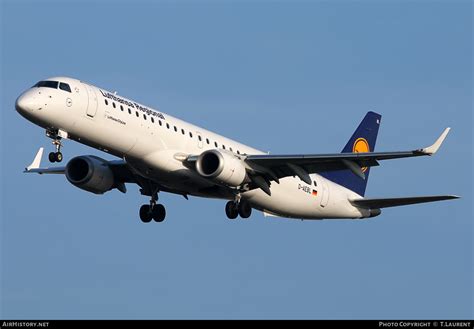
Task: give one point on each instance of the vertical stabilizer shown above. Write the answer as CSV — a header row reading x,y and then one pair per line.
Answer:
x,y
363,140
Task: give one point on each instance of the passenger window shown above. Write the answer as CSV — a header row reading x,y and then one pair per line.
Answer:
x,y
106,103
121,108
207,140
199,137
152,120
223,146
182,131
113,104
215,143
159,121
129,111
191,134
175,129
230,148
238,152
144,116
314,182
168,125
136,113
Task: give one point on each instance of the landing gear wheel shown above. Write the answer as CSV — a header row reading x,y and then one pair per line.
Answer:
x,y
245,210
55,157
52,157
145,213
153,210
56,137
159,213
231,210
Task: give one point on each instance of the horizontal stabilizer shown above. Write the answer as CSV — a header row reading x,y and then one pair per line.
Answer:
x,y
394,202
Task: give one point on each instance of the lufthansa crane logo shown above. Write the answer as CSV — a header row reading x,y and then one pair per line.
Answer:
x,y
361,146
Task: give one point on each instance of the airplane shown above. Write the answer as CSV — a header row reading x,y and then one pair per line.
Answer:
x,y
161,153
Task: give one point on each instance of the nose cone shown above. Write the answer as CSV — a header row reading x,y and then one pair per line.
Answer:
x,y
24,104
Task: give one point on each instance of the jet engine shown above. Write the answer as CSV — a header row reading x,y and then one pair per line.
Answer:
x,y
90,173
221,166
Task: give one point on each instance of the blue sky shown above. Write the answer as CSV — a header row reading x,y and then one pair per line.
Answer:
x,y
285,77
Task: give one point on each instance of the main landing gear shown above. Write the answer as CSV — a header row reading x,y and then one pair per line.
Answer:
x,y
55,156
234,209
154,211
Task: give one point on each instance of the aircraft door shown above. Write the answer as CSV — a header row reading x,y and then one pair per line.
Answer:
x,y
324,192
92,101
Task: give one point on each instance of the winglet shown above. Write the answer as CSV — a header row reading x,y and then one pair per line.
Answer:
x,y
430,150
36,162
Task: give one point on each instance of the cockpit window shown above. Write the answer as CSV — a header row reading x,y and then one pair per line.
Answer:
x,y
64,86
47,84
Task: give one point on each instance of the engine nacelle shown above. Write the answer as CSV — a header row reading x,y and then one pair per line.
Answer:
x,y
90,173
223,167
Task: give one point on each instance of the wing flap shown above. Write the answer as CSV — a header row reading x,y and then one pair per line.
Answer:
x,y
395,202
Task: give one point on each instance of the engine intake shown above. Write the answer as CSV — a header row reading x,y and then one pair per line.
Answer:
x,y
223,167
90,173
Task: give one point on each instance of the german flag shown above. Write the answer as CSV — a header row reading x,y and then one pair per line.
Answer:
x,y
314,193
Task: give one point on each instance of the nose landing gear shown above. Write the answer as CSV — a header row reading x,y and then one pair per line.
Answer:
x,y
55,156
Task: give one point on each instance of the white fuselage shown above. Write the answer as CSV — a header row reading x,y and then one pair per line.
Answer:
x,y
154,145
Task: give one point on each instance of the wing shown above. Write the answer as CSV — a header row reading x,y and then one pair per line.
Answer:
x,y
263,169
119,167
34,167
279,166
121,171
394,202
